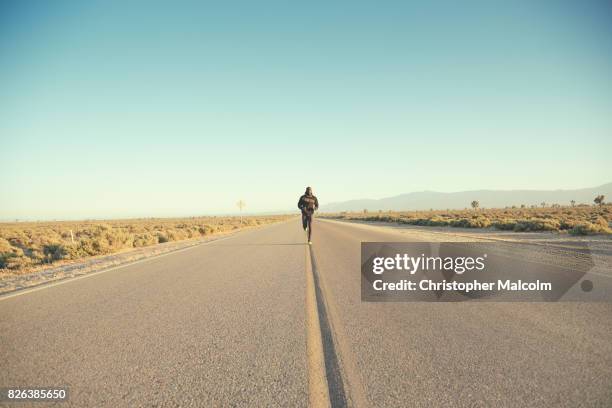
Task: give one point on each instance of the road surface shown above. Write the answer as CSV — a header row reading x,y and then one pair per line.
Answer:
x,y
223,324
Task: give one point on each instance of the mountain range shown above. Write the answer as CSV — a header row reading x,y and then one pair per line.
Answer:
x,y
425,200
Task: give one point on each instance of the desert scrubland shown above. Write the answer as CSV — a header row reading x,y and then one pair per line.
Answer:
x,y
575,220
29,246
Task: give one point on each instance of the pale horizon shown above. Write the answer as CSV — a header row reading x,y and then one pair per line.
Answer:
x,y
246,212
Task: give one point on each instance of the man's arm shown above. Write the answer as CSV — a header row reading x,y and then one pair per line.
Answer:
x,y
316,203
300,205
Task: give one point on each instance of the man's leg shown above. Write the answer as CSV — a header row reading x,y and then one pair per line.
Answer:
x,y
309,227
304,221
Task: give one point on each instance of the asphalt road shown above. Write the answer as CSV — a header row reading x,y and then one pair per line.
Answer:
x,y
223,324
217,325
460,354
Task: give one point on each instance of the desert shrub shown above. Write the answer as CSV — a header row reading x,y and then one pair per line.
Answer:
x,y
142,240
54,252
15,262
176,234
206,229
583,229
419,221
250,222
101,246
474,222
504,225
86,247
20,241
5,246
567,224
405,220
192,232
116,240
588,228
161,238
4,259
381,217
437,221
460,223
536,224
600,221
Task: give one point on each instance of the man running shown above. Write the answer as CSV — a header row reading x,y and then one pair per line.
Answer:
x,y
308,204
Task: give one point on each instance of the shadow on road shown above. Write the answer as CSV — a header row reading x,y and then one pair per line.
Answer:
x,y
337,392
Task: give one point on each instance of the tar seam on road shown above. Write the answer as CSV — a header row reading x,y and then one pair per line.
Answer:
x,y
346,384
318,388
337,393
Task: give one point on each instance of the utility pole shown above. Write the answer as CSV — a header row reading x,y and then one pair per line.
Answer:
x,y
241,204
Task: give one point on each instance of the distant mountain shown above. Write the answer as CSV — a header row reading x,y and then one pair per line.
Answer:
x,y
424,200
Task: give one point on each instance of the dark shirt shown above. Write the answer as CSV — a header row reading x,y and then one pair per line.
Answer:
x,y
308,204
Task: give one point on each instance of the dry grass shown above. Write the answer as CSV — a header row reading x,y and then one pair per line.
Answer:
x,y
579,220
28,246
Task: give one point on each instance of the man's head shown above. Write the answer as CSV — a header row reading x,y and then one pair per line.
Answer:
x,y
308,191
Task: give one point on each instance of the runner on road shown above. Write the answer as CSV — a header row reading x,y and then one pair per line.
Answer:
x,y
308,204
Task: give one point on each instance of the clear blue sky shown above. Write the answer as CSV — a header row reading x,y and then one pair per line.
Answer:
x,y
118,109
